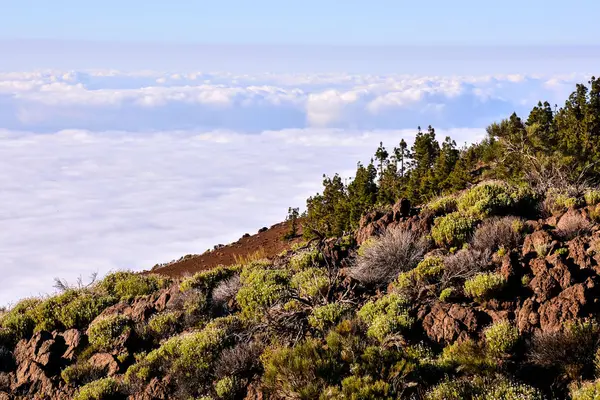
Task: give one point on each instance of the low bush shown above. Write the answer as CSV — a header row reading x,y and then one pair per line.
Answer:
x,y
327,316
226,290
557,201
261,288
386,316
446,294
571,350
453,229
305,259
359,388
227,388
501,338
592,197
102,389
189,357
498,233
311,282
18,322
299,372
164,324
127,285
487,199
396,251
105,332
241,361
464,265
479,388
81,373
484,286
467,355
442,205
587,391
430,269
208,280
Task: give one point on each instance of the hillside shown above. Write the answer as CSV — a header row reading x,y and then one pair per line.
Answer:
x,y
436,273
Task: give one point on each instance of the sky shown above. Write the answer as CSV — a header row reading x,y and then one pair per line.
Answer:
x,y
309,22
133,133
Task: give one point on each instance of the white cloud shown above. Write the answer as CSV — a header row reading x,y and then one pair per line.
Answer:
x,y
112,100
75,202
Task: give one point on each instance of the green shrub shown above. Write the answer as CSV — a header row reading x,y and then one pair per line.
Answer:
x,y
484,286
18,323
326,316
297,372
105,332
360,388
442,205
386,316
366,245
226,388
563,251
559,200
188,355
129,285
486,199
501,337
305,259
479,388
468,355
102,389
430,269
81,309
164,324
592,197
587,391
81,373
261,288
311,282
453,229
446,294
208,280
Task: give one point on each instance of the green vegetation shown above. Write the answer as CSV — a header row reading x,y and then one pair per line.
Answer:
x,y
453,229
484,286
128,285
327,316
261,288
386,316
501,337
105,332
207,280
312,282
102,389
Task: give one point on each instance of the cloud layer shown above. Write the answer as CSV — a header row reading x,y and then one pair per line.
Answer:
x,y
76,202
113,100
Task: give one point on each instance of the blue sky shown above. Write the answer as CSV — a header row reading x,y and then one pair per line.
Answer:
x,y
349,22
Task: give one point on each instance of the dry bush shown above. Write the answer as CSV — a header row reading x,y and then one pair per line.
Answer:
x,y
258,255
240,361
572,225
397,250
572,350
496,233
464,264
227,290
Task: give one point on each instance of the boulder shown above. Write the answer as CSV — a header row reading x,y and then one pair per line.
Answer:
x,y
106,363
74,341
446,323
567,306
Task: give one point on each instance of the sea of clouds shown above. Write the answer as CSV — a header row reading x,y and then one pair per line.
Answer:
x,y
105,170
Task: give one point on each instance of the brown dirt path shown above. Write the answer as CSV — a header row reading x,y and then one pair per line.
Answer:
x,y
269,243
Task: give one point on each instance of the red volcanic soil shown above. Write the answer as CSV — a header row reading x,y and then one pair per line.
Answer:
x,y
269,243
